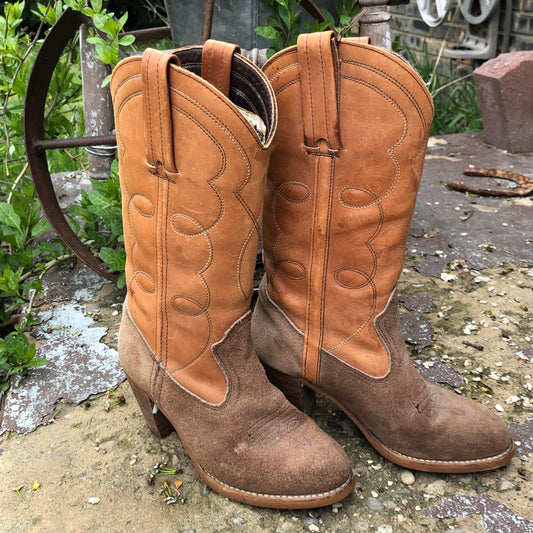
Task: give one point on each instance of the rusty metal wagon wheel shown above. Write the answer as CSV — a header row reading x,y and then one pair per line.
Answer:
x,y
37,145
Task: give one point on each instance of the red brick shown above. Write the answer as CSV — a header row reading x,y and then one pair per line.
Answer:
x,y
505,93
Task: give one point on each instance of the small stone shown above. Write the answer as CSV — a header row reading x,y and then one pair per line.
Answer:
x,y
506,485
238,521
498,408
313,527
384,529
108,445
374,505
407,477
437,488
94,500
447,277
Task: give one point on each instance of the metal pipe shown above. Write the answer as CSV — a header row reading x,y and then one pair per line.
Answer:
x,y
375,22
75,142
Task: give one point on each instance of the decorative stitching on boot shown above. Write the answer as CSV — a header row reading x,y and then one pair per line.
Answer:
x,y
277,425
237,192
399,62
397,83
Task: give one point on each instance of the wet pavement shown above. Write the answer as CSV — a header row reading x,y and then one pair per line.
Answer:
x,y
466,312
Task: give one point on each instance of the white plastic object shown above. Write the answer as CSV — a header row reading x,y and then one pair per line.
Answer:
x,y
477,11
433,12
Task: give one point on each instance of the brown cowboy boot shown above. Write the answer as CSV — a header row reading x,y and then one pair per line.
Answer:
x,y
193,130
347,158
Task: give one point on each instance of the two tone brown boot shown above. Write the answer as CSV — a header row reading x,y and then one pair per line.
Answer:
x,y
193,132
347,159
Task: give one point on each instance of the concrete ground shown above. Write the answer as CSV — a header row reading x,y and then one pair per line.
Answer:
x,y
75,458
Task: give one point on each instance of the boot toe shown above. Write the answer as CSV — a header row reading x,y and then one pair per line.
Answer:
x,y
302,469
472,433
453,434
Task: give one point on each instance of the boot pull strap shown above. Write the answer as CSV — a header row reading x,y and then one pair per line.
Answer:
x,y
319,79
216,64
159,144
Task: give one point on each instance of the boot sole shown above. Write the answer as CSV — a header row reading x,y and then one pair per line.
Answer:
x,y
301,394
161,427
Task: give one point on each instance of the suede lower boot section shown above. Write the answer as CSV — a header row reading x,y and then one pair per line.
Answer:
x,y
409,420
255,446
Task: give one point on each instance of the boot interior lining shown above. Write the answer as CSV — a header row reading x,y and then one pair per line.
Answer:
x,y
247,87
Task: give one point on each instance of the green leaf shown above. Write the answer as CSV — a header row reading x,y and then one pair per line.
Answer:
x,y
267,32
127,40
37,362
98,199
9,217
106,81
116,259
345,20
39,228
122,21
121,281
96,5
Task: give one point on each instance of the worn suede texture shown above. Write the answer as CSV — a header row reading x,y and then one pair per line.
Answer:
x,y
346,163
255,440
193,157
408,415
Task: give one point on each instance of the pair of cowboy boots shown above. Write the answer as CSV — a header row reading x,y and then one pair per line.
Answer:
x,y
196,132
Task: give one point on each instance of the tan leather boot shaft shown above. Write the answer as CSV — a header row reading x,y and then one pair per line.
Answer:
x,y
191,216
347,151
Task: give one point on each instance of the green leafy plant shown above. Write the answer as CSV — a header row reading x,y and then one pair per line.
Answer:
x,y
286,22
17,355
98,221
22,254
106,38
454,97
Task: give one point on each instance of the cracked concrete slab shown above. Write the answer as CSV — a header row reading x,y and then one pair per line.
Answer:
x,y
438,371
72,285
523,437
79,365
